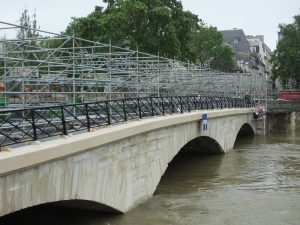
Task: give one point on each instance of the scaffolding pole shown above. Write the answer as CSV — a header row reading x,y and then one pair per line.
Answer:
x,y
56,69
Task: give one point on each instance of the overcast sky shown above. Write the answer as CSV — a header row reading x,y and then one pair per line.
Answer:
x,y
254,17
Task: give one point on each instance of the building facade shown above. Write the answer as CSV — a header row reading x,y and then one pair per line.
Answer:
x,y
251,54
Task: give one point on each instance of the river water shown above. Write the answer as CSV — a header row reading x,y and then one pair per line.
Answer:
x,y
256,183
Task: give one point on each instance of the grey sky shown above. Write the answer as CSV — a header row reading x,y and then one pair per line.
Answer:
x,y
254,17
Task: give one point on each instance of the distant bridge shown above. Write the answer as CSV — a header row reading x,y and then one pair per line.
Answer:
x,y
283,106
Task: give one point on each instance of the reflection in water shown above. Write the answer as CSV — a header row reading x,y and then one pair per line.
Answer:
x,y
256,183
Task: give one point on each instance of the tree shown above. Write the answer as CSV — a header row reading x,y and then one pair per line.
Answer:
x,y
110,3
152,26
208,48
286,58
90,27
28,28
222,59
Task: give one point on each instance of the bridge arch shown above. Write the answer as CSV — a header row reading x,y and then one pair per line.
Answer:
x,y
208,145
203,145
84,204
246,130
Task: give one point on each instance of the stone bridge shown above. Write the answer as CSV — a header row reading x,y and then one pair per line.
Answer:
x,y
113,168
283,106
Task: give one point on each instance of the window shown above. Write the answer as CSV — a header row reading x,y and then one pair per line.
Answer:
x,y
257,49
236,40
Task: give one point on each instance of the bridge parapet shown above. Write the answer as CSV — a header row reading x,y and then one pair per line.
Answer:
x,y
281,106
19,126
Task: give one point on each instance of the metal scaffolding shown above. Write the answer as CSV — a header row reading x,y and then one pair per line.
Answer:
x,y
56,69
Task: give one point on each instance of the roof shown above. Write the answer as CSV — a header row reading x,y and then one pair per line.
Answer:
x,y
241,48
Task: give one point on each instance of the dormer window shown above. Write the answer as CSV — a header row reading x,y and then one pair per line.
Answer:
x,y
236,40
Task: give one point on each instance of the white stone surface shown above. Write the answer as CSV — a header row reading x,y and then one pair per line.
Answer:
x,y
118,166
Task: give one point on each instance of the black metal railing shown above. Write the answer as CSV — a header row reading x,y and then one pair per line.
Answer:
x,y
19,126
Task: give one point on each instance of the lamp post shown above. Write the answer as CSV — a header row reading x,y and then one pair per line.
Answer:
x,y
126,44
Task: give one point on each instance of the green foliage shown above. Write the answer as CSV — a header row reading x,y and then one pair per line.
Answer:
x,y
28,30
205,41
110,3
208,48
222,59
154,26
26,22
286,58
157,26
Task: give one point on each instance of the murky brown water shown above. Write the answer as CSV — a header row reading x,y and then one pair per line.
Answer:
x,y
256,183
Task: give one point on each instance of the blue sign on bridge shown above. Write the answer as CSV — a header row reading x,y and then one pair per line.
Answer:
x,y
204,122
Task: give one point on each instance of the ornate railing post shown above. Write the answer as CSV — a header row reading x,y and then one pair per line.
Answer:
x,y
33,124
172,105
181,107
195,102
139,108
124,110
188,103
87,117
151,103
107,113
63,121
163,105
